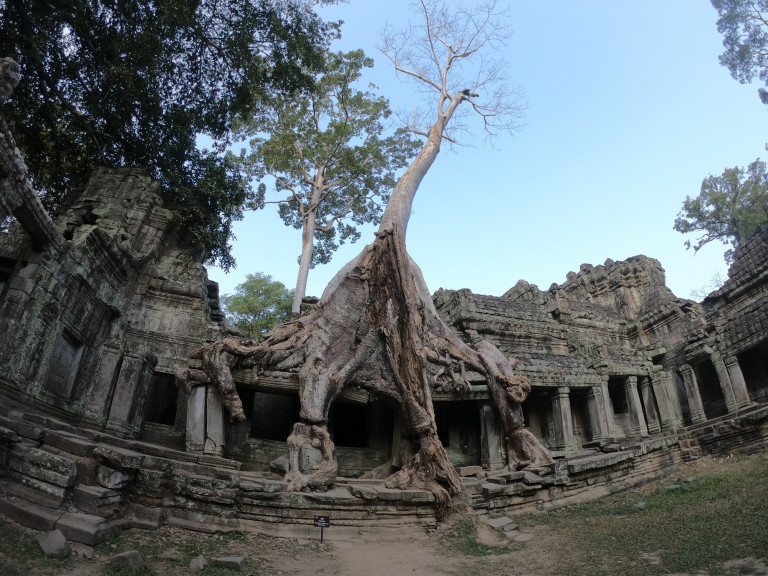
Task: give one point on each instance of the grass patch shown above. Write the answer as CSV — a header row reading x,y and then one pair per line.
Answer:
x,y
680,526
461,538
20,554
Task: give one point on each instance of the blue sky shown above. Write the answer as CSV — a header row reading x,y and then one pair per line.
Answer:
x,y
628,110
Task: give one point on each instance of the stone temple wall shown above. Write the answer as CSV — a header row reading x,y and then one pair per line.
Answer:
x,y
100,306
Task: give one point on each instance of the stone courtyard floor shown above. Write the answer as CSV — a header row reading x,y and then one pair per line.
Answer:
x,y
710,519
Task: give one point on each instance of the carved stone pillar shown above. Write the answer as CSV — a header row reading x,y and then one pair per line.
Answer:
x,y
639,427
669,410
205,421
692,391
561,413
609,416
651,407
195,435
598,419
214,423
492,447
725,381
738,383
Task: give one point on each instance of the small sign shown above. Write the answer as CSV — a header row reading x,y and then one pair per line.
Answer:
x,y
322,521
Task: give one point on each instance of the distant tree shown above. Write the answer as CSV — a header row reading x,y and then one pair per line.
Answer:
x,y
744,26
729,208
258,304
332,158
135,83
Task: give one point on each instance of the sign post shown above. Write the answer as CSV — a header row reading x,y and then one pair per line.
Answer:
x,y
322,522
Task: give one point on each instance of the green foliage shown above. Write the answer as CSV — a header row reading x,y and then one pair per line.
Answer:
x,y
744,26
729,207
258,304
330,153
135,84
691,526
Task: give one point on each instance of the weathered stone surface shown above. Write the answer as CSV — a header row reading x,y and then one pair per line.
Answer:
x,y
130,562
198,564
54,545
88,528
469,470
498,523
113,479
234,563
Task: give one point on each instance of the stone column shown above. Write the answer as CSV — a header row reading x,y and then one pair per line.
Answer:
x,y
195,435
612,431
561,413
598,419
492,447
692,391
639,427
738,383
214,423
725,381
651,410
669,410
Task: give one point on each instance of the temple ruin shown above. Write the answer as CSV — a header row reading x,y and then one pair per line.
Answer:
x,y
103,305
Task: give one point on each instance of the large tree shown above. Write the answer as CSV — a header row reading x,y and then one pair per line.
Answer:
x,y
258,304
376,326
136,83
744,26
332,159
729,208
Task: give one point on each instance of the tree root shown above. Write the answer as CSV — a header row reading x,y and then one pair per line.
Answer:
x,y
376,327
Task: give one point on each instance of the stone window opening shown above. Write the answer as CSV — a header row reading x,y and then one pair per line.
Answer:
x,y
272,416
161,405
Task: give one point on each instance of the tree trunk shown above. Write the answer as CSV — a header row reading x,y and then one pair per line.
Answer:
x,y
376,327
307,242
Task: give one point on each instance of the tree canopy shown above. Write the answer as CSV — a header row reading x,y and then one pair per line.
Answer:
x,y
135,83
332,157
258,304
744,26
729,207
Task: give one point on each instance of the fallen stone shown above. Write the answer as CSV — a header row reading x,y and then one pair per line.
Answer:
x,y
129,562
490,490
54,545
613,448
531,478
234,563
279,465
499,522
469,470
364,492
523,537
198,564
640,504
496,479
511,528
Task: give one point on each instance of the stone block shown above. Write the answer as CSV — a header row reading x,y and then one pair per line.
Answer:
x,y
364,492
531,478
118,458
496,480
96,500
491,490
113,479
54,545
198,564
499,522
130,562
310,458
29,514
234,563
70,444
469,470
34,490
43,465
88,528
